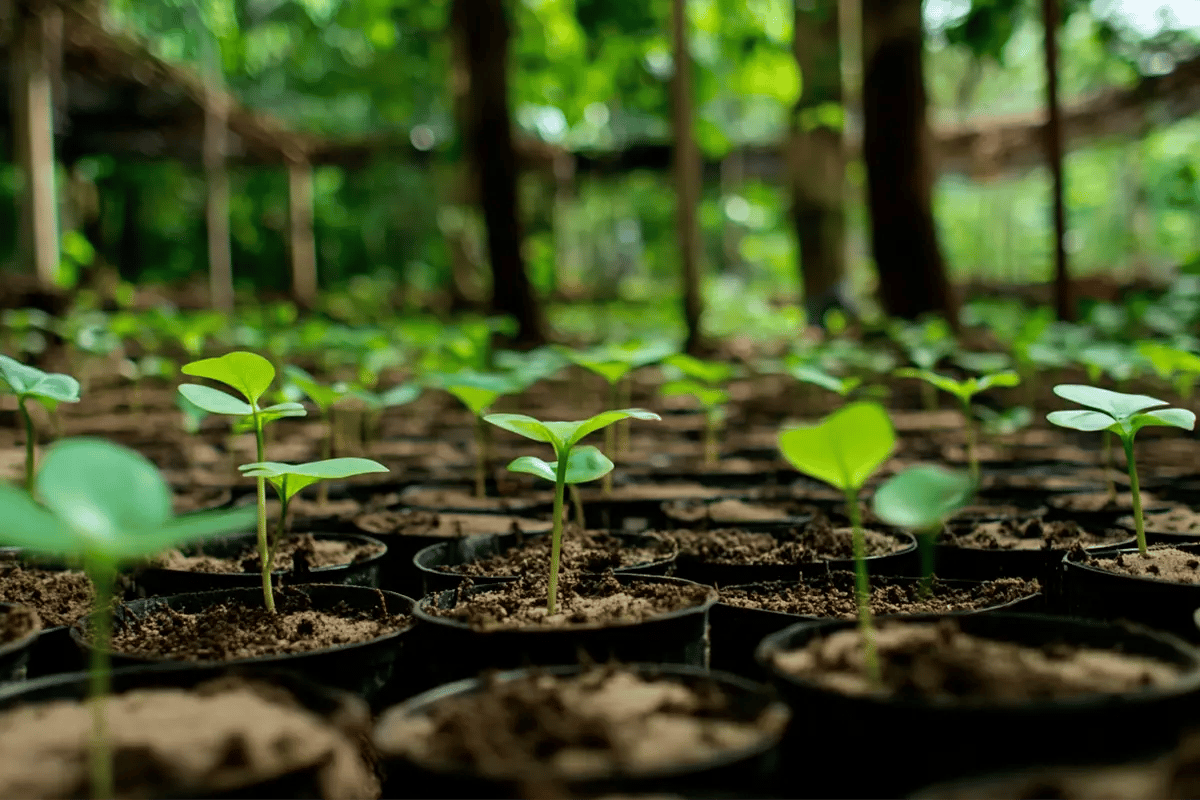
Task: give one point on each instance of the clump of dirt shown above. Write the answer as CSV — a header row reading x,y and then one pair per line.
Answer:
x,y
939,662
298,552
17,622
833,595
60,597
1028,534
228,631
583,600
1161,563
600,723
583,551
215,739
1099,501
414,522
816,541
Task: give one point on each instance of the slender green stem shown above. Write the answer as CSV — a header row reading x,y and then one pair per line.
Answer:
x,y
280,528
577,501
481,458
326,453
30,444
926,543
862,589
969,429
261,487
1135,493
1109,484
560,481
100,756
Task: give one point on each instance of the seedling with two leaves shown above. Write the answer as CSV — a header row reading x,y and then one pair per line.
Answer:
x,y
705,381
47,388
477,391
1123,415
571,465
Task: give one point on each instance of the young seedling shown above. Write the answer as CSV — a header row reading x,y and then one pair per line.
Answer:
x,y
325,397
921,499
1123,415
103,505
925,343
964,391
1181,367
811,373
570,466
288,479
49,389
1120,363
703,380
251,375
844,450
478,391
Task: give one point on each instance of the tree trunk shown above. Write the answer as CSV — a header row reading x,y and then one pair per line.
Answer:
x,y
484,30
34,45
129,254
303,246
897,151
1064,303
687,176
816,163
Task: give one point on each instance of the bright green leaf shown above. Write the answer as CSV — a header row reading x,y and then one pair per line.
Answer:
x,y
323,396
1166,417
288,479
525,425
921,498
606,418
1116,404
584,464
532,465
249,373
214,401
845,448
1082,420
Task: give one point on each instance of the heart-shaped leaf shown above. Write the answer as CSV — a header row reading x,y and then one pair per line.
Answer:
x,y
288,479
249,373
844,448
26,381
921,498
214,401
1118,405
584,464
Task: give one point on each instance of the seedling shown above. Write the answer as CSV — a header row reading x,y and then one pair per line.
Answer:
x,y
478,391
289,479
1120,363
251,375
103,505
921,499
703,380
925,343
1123,415
1172,364
964,391
844,449
49,389
810,373
570,466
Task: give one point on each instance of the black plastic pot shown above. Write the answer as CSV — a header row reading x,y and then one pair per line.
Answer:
x,y
337,707
1099,518
887,746
156,581
1100,594
431,560
455,650
362,668
15,654
745,772
734,632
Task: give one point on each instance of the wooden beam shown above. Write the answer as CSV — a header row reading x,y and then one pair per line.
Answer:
x,y
303,245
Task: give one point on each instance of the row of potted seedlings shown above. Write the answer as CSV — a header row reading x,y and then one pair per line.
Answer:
x,y
751,599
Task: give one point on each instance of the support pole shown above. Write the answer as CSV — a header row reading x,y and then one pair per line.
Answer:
x,y
1064,302
300,233
687,175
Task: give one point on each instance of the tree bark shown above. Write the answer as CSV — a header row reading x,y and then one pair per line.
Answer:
x,y
898,155
484,31
687,167
303,247
1064,303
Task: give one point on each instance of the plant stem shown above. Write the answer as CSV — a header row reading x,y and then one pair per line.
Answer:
x,y
560,481
577,501
326,453
926,543
862,589
1109,466
480,458
261,487
969,429
30,443
100,764
279,530
1135,494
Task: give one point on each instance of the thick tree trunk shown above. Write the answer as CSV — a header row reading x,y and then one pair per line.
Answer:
x,y
1064,303
897,151
303,246
816,163
484,30
687,176
129,257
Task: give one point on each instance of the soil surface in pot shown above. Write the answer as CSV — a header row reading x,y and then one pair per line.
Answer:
x,y
1028,534
936,661
603,722
817,541
17,623
296,552
1177,520
221,735
1162,563
583,600
590,551
59,597
228,631
833,595
733,510
414,522
1099,501
456,497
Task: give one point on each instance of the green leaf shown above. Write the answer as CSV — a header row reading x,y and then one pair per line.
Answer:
x,y
527,426
1118,405
323,396
710,372
399,395
532,465
1166,417
187,528
584,464
214,401
280,410
806,373
563,435
24,523
477,390
26,381
603,420
1082,420
946,384
288,479
922,497
1006,379
844,448
249,373
707,396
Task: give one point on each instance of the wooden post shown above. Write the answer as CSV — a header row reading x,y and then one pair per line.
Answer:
x,y
687,175
1064,302
32,47
300,233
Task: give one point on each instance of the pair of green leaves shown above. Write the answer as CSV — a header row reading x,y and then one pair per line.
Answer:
x,y
965,389
48,388
845,448
288,479
476,390
583,464
1122,414
250,374
325,396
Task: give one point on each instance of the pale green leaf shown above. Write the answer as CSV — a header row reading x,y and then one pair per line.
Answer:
x,y
845,448
524,425
288,479
922,497
180,530
1082,420
1166,417
214,401
606,418
249,373
323,396
1118,405
27,381
584,464
1005,379
532,465
24,523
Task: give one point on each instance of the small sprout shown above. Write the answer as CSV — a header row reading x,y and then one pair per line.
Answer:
x,y
1005,422
251,375
105,505
925,344
569,467
844,450
478,391
921,499
48,388
1123,415
703,380
1172,364
810,373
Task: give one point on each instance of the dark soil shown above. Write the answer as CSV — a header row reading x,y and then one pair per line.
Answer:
x,y
231,630
1028,534
591,551
583,600
1099,501
297,552
604,722
817,541
938,662
414,522
833,595
17,623
60,597
1162,563
220,736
